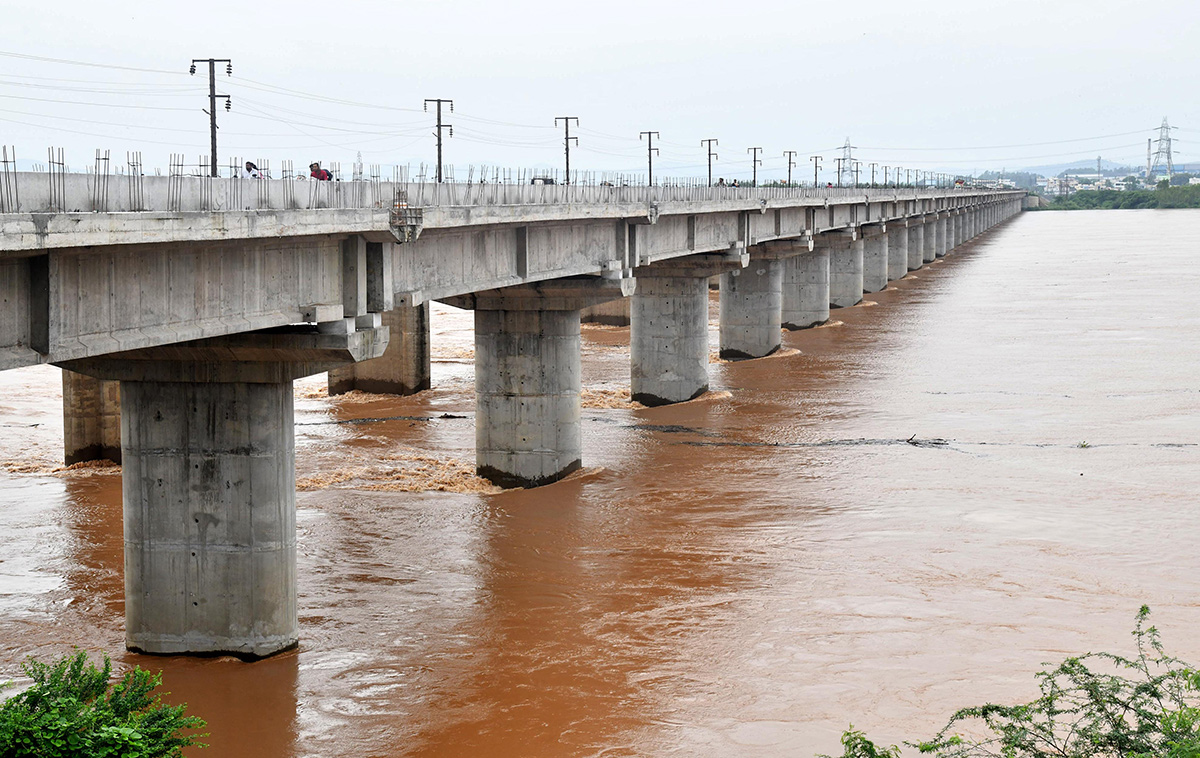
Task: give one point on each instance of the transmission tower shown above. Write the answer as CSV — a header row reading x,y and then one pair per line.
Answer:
x,y
846,165
1162,158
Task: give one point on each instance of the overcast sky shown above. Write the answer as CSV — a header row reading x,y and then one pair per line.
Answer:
x,y
950,86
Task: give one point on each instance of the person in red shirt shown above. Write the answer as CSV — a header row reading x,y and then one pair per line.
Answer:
x,y
318,173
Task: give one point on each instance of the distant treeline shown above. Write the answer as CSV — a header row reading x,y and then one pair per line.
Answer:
x,y
1164,197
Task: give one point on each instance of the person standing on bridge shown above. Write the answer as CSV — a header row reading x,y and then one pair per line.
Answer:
x,y
250,171
318,173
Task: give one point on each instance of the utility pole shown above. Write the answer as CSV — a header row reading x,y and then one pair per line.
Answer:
x,y
873,165
708,143
908,176
439,101
857,167
212,100
838,161
885,173
790,155
567,141
816,159
650,151
754,163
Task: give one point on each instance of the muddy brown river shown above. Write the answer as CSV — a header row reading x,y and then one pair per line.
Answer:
x,y
990,465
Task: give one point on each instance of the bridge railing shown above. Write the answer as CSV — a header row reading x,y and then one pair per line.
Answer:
x,y
60,192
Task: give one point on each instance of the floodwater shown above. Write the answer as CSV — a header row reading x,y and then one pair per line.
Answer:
x,y
990,465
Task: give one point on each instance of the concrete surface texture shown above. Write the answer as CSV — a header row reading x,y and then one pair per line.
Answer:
x,y
845,268
527,385
91,419
805,285
404,368
751,304
875,257
669,339
916,245
208,474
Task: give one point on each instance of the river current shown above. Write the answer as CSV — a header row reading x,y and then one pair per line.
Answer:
x,y
988,466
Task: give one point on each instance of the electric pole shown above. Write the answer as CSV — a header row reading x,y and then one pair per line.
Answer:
x,y
567,141
873,165
816,159
754,163
650,151
838,161
790,155
857,167
212,100
708,143
439,101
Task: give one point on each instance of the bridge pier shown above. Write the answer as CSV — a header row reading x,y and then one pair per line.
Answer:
x,y
752,304
615,313
91,419
916,243
805,287
845,266
404,369
897,249
875,256
940,243
669,327
208,482
528,376
955,229
929,246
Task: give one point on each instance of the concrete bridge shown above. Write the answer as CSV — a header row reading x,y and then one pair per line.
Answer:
x,y
198,300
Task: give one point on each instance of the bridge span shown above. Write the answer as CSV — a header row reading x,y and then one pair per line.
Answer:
x,y
198,300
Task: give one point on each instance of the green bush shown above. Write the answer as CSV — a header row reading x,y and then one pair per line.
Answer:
x,y
1147,706
74,709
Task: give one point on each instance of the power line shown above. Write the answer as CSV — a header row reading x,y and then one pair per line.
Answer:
x,y
44,59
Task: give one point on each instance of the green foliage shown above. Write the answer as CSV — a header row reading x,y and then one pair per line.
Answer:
x,y
1187,196
1098,705
73,709
856,745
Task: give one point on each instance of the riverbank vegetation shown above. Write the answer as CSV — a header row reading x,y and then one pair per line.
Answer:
x,y
1098,705
74,708
1187,196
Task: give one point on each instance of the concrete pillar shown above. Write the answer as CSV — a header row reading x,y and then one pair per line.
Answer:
x,y
403,369
806,290
615,313
210,517
91,419
897,250
940,243
751,303
916,243
527,386
208,481
668,337
956,229
875,257
929,249
845,267
528,376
